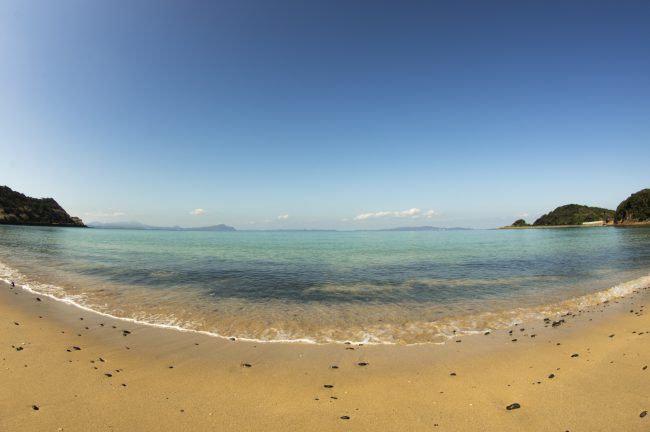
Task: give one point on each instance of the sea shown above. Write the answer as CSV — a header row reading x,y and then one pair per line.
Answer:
x,y
373,287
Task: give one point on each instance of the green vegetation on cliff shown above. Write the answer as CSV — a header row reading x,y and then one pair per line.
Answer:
x,y
18,209
520,223
575,214
634,209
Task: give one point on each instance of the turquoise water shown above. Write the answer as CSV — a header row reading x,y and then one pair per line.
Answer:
x,y
381,287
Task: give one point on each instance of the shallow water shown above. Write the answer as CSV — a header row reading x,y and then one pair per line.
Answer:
x,y
373,287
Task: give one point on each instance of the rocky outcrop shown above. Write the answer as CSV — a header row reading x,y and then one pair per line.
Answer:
x,y
635,209
19,209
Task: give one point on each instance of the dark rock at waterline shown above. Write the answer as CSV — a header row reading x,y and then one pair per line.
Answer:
x,y
513,406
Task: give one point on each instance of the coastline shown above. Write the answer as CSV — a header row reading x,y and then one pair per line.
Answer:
x,y
607,225
187,381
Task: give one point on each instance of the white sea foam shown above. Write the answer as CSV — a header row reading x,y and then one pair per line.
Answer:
x,y
411,332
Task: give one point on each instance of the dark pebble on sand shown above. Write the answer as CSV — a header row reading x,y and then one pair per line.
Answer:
x,y
551,376
643,414
108,375
452,374
38,299
15,323
171,367
513,406
101,360
362,364
514,340
19,348
334,367
123,385
611,335
486,333
328,386
345,417
232,338
644,367
76,348
574,355
36,408
125,332
246,365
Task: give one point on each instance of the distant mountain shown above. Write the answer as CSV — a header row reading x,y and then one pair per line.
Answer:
x,y
634,209
121,225
19,209
425,228
220,227
141,226
575,214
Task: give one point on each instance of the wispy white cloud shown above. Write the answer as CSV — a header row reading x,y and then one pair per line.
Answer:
x,y
283,217
413,213
198,212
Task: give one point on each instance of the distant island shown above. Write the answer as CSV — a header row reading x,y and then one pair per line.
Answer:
x,y
141,226
19,209
632,211
423,228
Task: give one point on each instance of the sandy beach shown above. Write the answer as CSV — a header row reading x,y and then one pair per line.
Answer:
x,y
66,369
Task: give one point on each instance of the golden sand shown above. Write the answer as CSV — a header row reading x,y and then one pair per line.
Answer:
x,y
66,369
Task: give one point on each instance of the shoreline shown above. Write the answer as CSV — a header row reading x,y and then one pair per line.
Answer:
x,y
606,225
178,380
509,316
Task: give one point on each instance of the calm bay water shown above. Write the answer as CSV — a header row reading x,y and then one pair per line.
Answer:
x,y
382,287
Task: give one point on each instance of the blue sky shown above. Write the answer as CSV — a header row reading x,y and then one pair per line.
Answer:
x,y
303,114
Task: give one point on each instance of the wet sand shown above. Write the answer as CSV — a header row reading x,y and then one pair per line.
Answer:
x,y
63,368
